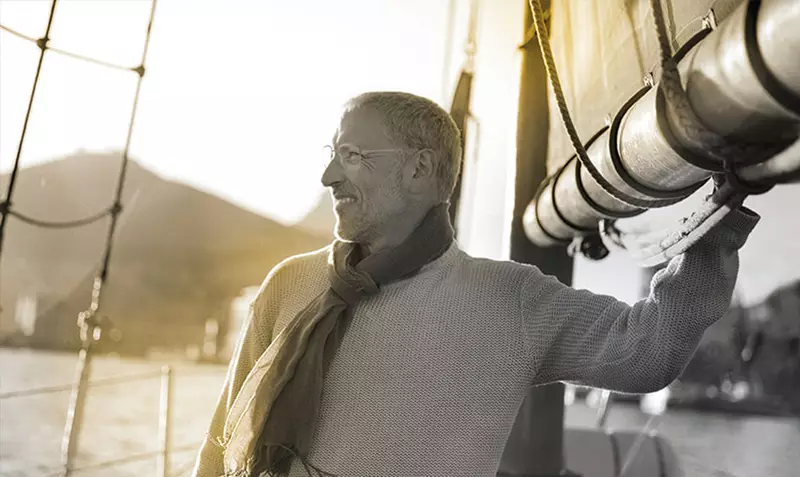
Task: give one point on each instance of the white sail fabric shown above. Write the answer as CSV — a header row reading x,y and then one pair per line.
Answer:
x,y
604,49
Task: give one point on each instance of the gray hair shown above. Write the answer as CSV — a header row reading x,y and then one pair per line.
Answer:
x,y
419,123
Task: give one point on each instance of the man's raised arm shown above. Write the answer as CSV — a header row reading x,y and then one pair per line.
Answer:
x,y
599,341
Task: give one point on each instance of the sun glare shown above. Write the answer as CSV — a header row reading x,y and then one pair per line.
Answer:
x,y
235,101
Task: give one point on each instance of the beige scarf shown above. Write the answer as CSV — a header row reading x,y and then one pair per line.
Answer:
x,y
274,414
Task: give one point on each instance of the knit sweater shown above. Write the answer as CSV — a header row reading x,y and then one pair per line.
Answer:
x,y
432,370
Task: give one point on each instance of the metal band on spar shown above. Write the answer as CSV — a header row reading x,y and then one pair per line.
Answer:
x,y
743,82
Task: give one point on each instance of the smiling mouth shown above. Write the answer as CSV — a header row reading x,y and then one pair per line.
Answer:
x,y
347,200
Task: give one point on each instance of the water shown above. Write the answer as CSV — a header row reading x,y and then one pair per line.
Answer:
x,y
122,420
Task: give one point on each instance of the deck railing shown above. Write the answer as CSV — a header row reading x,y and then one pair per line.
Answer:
x,y
162,454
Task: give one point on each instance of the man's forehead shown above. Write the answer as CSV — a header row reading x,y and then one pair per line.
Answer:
x,y
363,127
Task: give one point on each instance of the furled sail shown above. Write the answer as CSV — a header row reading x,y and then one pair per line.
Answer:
x,y
740,119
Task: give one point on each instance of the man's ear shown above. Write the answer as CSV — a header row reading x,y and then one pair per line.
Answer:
x,y
425,164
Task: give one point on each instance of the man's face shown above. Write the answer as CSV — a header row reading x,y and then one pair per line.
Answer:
x,y
368,191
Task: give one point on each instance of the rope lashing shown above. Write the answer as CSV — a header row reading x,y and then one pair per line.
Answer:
x,y
728,150
566,119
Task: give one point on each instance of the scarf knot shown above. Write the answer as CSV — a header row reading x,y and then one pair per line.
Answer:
x,y
346,280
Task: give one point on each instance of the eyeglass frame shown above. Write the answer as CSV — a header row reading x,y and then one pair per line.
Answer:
x,y
363,154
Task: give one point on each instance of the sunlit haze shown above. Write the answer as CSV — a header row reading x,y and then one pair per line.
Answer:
x,y
238,98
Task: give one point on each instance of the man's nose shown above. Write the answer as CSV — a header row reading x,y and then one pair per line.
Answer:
x,y
333,173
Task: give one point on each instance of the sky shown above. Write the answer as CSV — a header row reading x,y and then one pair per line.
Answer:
x,y
239,96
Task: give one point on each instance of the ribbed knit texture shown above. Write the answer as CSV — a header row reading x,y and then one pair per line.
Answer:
x,y
432,370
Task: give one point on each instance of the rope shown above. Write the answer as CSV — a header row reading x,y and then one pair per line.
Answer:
x,y
125,158
56,224
68,53
730,190
42,43
18,34
115,209
552,74
650,252
87,321
727,195
530,35
651,424
93,60
726,149
126,460
68,387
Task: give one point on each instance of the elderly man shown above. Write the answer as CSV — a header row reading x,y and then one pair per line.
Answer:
x,y
392,352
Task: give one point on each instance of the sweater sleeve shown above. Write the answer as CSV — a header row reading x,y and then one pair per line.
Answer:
x,y
599,341
254,339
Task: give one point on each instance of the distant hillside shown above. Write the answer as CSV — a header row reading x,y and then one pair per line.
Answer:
x,y
179,255
321,220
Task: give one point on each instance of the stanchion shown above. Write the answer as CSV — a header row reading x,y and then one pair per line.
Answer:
x,y
164,420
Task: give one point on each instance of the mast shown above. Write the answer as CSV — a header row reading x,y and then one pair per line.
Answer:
x,y
535,445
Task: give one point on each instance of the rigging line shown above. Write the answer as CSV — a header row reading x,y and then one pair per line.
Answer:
x,y
126,460
530,35
727,194
87,277
60,224
95,383
87,321
42,44
65,224
76,56
636,446
117,207
566,119
726,148
92,60
18,34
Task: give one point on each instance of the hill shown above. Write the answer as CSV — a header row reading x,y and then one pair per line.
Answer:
x,y
320,220
179,255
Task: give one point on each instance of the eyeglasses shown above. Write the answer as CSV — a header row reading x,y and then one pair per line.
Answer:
x,y
350,155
